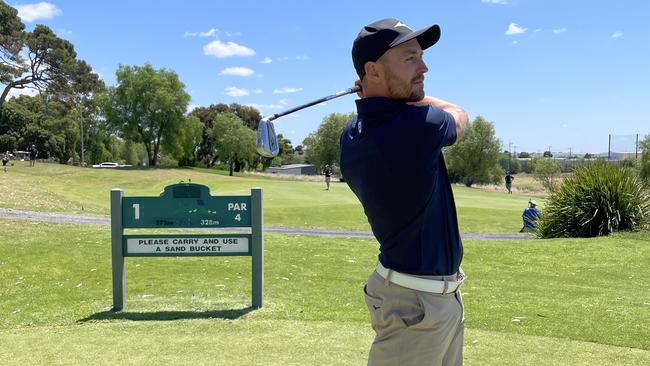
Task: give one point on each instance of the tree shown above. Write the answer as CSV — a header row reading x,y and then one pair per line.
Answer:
x,y
548,154
546,171
322,147
207,152
147,106
41,120
51,61
524,155
644,145
474,159
187,142
234,141
12,34
588,156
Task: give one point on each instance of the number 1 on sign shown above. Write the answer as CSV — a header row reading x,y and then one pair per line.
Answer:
x,y
136,208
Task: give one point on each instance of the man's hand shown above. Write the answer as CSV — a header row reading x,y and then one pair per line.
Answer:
x,y
459,114
360,92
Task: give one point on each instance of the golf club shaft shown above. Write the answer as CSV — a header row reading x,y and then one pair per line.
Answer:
x,y
321,100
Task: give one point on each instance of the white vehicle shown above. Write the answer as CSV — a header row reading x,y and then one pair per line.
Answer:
x,y
109,164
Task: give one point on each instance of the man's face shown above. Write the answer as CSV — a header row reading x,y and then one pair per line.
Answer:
x,y
403,71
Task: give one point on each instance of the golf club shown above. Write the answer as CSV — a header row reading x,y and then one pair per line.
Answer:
x,y
267,140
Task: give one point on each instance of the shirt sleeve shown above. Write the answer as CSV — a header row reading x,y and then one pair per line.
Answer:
x,y
443,125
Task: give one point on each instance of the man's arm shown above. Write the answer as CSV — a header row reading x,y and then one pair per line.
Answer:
x,y
459,114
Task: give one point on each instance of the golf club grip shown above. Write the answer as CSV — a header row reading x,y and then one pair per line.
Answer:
x,y
321,100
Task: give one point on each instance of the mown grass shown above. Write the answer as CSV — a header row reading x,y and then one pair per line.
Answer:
x,y
528,302
61,188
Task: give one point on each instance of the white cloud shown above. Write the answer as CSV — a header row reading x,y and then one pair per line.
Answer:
x,y
211,33
42,10
302,58
513,28
236,92
286,90
500,2
267,60
284,101
617,34
266,106
219,49
258,91
560,30
237,71
515,42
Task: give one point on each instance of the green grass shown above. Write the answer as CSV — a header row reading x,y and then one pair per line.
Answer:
x,y
61,188
577,302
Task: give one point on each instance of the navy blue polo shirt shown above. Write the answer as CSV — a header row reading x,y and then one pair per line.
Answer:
x,y
392,160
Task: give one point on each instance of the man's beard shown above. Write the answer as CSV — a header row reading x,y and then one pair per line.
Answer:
x,y
400,90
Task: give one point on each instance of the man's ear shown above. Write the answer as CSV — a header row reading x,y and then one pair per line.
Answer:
x,y
373,70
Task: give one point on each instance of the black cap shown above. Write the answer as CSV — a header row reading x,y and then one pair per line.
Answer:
x,y
377,38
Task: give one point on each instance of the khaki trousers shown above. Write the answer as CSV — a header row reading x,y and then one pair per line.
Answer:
x,y
414,328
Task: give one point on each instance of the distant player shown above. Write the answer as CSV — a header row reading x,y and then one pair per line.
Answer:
x,y
328,175
509,178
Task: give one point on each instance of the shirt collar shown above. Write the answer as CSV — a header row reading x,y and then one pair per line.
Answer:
x,y
377,105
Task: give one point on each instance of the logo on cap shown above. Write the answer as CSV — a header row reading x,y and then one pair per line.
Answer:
x,y
400,24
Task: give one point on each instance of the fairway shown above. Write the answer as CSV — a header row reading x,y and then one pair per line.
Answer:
x,y
288,203
527,302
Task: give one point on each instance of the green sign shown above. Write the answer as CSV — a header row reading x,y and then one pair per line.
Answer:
x,y
186,205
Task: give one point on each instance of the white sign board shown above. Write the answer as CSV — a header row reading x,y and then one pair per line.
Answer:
x,y
186,245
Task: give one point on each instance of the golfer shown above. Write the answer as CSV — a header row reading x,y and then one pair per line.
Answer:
x,y
327,171
508,179
392,160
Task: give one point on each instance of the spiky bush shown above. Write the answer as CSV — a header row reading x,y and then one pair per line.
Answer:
x,y
596,200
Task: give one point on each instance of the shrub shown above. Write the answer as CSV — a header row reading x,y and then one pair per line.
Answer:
x,y
598,199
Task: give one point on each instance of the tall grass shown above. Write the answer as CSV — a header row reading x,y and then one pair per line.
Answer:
x,y
597,200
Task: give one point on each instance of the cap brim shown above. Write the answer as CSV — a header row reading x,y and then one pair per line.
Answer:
x,y
426,37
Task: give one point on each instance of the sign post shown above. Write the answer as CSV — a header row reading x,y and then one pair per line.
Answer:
x,y
186,205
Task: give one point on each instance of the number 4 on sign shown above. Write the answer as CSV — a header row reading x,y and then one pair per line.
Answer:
x,y
238,217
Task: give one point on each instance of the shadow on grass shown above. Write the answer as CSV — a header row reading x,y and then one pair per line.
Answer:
x,y
166,315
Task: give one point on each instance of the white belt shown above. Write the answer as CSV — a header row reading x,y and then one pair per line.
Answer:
x,y
418,283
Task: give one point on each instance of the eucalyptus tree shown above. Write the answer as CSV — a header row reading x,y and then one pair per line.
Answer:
x,y
147,106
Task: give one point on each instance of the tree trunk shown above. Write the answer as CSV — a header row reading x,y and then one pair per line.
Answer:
x,y
5,92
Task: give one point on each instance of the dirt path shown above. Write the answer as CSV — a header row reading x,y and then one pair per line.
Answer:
x,y
106,221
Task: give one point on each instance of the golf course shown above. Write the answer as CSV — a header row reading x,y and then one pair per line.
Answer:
x,y
527,301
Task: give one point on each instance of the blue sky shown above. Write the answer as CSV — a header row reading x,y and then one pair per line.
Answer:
x,y
563,74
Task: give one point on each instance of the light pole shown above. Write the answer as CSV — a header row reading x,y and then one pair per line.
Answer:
x,y
509,156
81,123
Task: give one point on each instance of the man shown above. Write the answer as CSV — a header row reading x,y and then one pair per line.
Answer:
x,y
5,160
530,216
509,178
328,175
33,153
392,160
